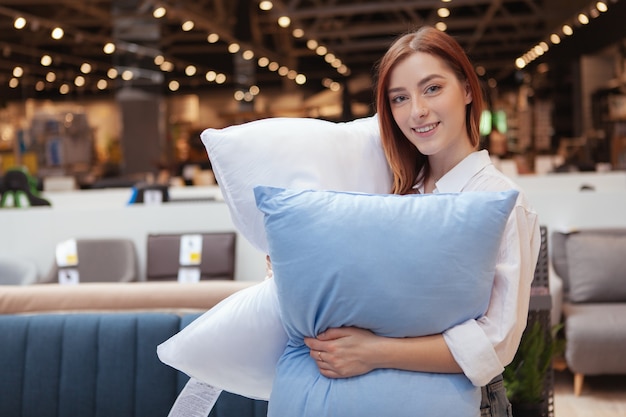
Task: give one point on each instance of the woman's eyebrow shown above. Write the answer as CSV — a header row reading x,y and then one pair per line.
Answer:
x,y
420,84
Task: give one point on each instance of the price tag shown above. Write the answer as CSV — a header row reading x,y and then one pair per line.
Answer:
x,y
195,400
190,250
69,276
152,197
66,253
188,274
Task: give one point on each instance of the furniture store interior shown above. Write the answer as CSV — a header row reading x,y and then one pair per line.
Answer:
x,y
136,139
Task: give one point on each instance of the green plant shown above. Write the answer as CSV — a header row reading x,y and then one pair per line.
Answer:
x,y
525,376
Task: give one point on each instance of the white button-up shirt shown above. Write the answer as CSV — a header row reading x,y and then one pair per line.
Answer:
x,y
483,347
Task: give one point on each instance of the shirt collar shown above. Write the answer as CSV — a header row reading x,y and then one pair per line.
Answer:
x,y
457,178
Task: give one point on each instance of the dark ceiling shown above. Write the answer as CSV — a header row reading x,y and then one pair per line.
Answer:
x,y
493,32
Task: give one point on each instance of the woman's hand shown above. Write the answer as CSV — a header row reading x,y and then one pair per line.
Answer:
x,y
343,352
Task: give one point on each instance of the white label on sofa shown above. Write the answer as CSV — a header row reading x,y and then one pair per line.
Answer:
x,y
152,197
69,276
188,274
195,400
66,253
190,250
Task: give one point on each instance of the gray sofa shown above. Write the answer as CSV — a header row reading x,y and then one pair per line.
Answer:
x,y
591,264
96,364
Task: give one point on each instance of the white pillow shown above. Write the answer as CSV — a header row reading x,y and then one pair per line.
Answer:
x,y
234,346
295,153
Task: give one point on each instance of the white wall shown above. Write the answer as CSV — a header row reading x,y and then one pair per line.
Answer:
x,y
33,233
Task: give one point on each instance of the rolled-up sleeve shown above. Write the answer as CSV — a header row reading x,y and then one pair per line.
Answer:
x,y
483,347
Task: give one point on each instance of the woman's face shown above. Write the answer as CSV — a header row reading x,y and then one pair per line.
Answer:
x,y
428,103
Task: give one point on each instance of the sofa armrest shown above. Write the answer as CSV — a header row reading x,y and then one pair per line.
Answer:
x,y
117,296
557,295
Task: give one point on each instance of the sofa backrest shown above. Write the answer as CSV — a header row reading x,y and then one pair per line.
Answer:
x,y
590,263
95,364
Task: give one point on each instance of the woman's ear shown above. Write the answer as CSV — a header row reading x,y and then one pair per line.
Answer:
x,y
468,93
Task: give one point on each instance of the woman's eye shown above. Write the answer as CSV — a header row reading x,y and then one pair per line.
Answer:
x,y
397,99
433,89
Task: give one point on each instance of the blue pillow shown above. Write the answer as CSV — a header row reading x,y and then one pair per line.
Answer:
x,y
397,265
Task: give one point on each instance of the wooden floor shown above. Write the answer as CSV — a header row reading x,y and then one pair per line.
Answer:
x,y
602,396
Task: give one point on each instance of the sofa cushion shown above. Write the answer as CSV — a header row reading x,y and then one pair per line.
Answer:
x,y
596,340
293,153
397,265
596,267
85,365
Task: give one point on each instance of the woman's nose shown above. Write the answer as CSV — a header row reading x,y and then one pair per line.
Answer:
x,y
420,109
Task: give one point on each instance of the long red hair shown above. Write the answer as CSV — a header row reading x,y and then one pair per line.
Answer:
x,y
405,160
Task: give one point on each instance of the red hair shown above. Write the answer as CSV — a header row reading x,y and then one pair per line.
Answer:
x,y
405,160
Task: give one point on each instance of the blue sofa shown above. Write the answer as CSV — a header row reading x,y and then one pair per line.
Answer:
x,y
96,365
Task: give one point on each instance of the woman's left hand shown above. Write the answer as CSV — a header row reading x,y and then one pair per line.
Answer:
x,y
343,352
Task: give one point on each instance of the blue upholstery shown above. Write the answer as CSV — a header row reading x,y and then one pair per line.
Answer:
x,y
100,365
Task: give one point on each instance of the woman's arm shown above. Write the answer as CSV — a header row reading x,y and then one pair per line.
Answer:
x,y
349,351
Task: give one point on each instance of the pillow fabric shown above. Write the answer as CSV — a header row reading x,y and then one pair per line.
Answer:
x,y
235,345
398,265
596,267
293,153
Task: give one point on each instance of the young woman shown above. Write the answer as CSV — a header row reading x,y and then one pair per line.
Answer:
x,y
429,103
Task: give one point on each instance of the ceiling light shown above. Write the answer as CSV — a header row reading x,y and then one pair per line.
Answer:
x,y
102,84
321,50
109,48
174,85
442,27
311,44
233,48
300,79
284,21
14,82
297,33
212,38
247,55
127,75
520,63
64,89
567,30
79,81
51,77
601,6
19,23
220,79
211,76
112,73
85,68
46,60
443,12
555,39
40,85
263,62
159,12
583,19
57,33
266,5
188,25
190,70
18,72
